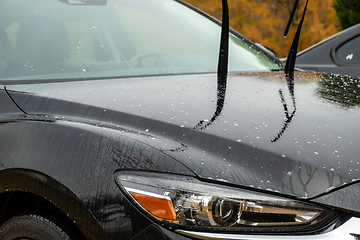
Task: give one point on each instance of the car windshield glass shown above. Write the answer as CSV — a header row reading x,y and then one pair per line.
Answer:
x,y
57,39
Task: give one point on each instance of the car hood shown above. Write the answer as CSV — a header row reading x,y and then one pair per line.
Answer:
x,y
302,144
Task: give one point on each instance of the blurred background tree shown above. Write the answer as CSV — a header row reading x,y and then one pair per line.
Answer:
x,y
264,21
348,12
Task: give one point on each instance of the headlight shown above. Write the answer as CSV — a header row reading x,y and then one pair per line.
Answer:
x,y
187,203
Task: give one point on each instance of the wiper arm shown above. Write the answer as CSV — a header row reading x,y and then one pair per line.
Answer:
x,y
222,70
289,71
224,45
291,59
291,18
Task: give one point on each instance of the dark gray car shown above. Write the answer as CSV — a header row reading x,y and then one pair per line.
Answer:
x,y
114,124
338,54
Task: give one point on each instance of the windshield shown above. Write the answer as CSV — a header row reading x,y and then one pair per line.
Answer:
x,y
56,39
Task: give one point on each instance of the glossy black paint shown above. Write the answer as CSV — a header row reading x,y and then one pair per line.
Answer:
x,y
6,106
63,141
238,136
76,134
61,161
344,198
155,232
322,57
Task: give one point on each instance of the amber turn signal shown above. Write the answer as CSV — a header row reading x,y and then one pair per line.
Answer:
x,y
159,206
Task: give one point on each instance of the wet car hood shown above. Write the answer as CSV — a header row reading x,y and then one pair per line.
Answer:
x,y
260,139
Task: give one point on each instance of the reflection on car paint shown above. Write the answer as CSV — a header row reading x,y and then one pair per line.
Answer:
x,y
241,125
342,90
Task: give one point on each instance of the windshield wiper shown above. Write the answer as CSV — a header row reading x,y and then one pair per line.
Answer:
x,y
291,18
222,70
224,46
291,59
290,69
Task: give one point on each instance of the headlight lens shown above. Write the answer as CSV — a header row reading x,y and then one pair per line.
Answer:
x,y
185,202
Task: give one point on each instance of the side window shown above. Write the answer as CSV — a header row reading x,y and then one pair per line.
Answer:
x,y
349,52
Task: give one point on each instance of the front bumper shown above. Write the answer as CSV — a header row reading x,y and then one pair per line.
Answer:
x,y
347,231
350,230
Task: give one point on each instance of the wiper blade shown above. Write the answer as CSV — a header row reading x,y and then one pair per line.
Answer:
x,y
289,72
291,59
222,70
291,18
224,45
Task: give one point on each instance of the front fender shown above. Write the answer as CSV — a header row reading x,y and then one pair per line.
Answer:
x,y
48,188
72,164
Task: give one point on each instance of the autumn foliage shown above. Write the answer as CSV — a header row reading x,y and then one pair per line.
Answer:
x,y
348,12
264,21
